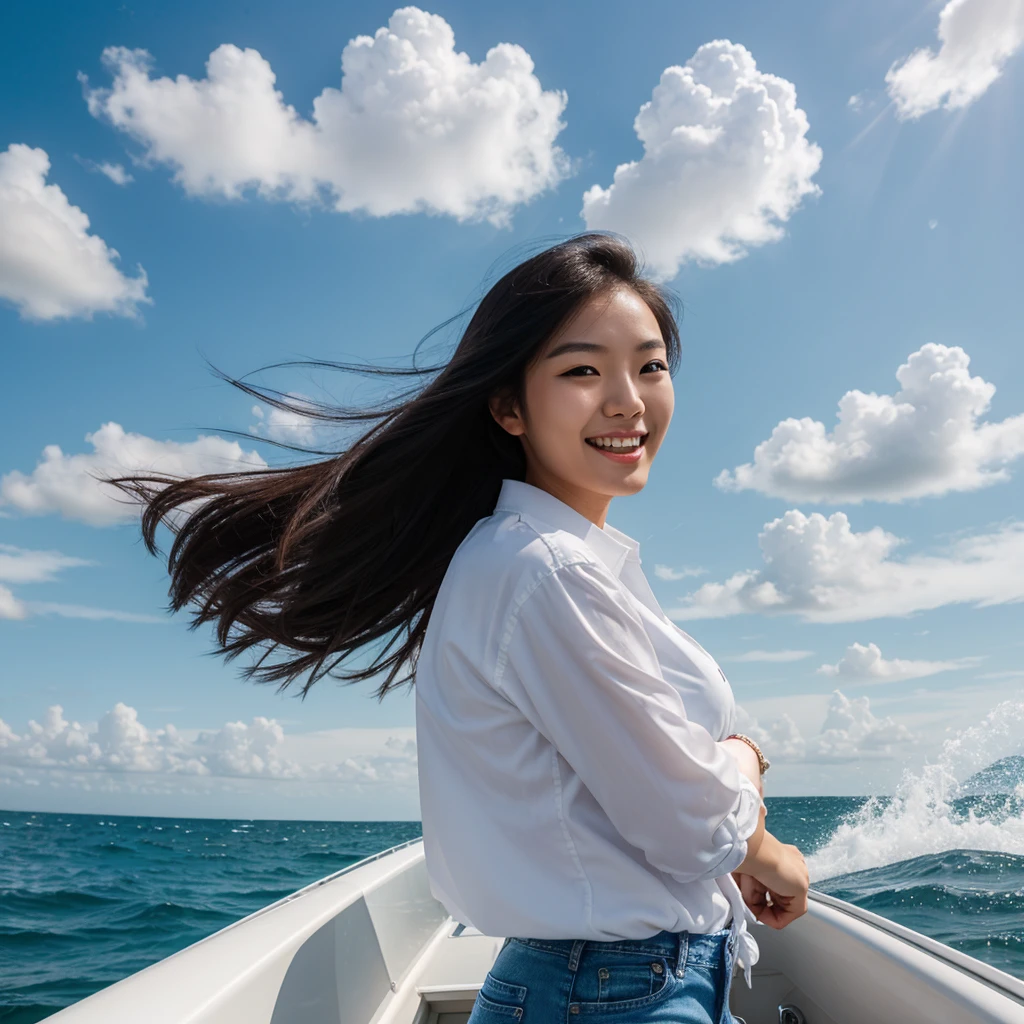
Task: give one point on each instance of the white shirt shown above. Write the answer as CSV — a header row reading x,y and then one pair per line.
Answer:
x,y
571,784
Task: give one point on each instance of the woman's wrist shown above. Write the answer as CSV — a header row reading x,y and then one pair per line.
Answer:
x,y
766,851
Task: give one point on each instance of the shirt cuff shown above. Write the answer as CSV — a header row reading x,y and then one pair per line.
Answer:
x,y
737,828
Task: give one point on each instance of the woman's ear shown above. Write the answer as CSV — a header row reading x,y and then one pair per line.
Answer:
x,y
506,413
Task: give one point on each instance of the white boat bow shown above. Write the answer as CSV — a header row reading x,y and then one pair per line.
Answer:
x,y
370,945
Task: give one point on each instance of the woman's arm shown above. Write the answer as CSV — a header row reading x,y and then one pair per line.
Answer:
x,y
578,663
774,868
747,761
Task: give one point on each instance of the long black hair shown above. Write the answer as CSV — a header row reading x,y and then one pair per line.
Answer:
x,y
321,559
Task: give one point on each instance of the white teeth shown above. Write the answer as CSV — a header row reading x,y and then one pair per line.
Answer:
x,y
615,442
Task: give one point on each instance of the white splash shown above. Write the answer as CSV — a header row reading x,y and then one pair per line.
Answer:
x,y
920,818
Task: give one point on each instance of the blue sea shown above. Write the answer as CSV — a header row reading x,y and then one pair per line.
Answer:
x,y
87,900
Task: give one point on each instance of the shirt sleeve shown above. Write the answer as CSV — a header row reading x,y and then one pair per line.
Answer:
x,y
580,666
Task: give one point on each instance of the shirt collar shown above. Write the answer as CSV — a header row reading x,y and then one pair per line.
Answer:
x,y
613,547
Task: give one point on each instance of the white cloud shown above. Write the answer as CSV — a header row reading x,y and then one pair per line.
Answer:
x,y
115,172
10,606
50,266
120,743
726,163
287,425
925,440
415,127
977,38
856,102
666,572
778,657
850,732
66,483
81,611
780,739
822,570
22,565
860,664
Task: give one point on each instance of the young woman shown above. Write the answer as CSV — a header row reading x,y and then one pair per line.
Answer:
x,y
583,794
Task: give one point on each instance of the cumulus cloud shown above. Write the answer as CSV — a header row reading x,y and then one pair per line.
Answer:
x,y
923,441
823,571
50,265
415,127
67,484
726,163
850,732
120,743
977,38
860,664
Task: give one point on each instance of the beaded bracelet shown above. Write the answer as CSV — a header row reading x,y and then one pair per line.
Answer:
x,y
763,763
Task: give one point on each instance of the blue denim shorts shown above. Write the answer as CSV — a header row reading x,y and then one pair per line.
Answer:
x,y
669,977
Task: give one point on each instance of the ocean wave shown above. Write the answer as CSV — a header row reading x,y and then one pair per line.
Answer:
x,y
929,813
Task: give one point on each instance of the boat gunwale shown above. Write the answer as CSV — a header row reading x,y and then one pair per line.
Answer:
x,y
300,892
1007,983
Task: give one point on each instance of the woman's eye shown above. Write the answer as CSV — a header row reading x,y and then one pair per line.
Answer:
x,y
575,371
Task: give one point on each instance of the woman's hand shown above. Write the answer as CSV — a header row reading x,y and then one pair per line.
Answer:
x,y
778,896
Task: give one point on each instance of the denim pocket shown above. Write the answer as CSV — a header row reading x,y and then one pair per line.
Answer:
x,y
498,1000
605,982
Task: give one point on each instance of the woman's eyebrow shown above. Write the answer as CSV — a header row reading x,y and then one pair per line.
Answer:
x,y
590,346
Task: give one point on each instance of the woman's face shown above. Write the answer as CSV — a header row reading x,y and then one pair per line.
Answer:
x,y
605,375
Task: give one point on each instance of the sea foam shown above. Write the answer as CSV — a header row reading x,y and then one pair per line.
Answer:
x,y
936,808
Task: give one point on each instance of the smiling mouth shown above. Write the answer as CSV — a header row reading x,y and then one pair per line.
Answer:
x,y
618,448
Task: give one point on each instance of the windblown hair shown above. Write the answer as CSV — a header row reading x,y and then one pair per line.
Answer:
x,y
321,559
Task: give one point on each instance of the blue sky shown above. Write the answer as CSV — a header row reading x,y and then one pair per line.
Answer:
x,y
885,226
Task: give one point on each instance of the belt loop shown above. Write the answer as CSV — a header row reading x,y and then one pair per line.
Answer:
x,y
574,955
681,952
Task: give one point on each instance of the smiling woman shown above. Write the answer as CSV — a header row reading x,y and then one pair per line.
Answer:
x,y
611,392
579,793
311,563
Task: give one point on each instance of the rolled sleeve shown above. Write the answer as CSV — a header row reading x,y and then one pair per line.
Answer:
x,y
577,661
739,826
